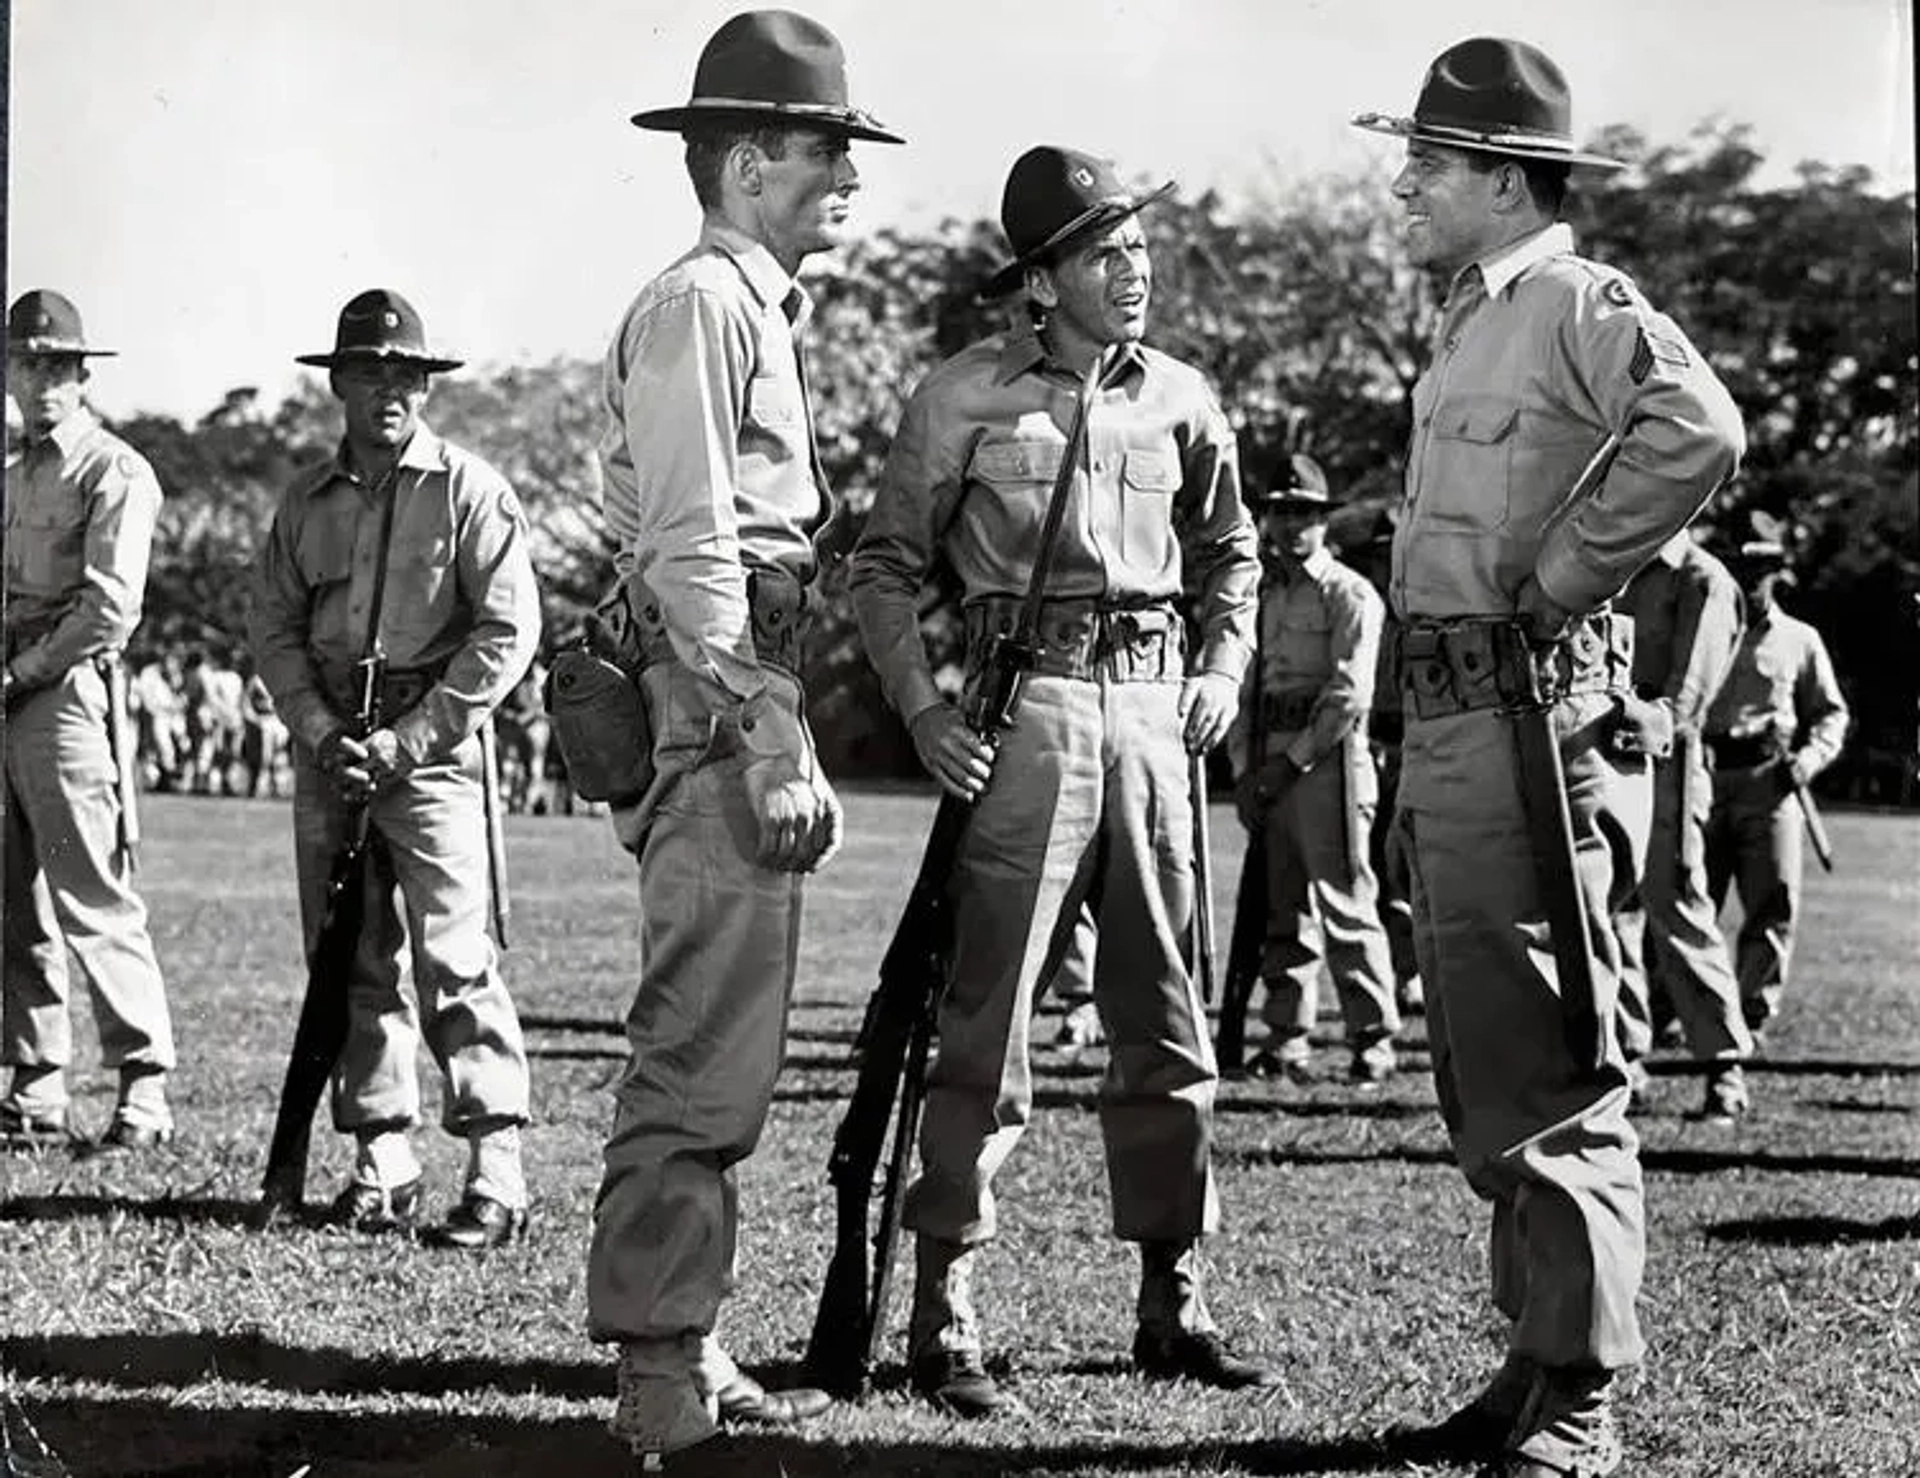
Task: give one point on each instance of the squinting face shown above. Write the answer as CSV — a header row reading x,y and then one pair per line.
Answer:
x,y
807,195
382,400
1296,534
1100,290
47,387
1450,215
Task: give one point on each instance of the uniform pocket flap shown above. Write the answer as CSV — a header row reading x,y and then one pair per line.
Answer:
x,y
1151,471
1477,420
600,723
1018,461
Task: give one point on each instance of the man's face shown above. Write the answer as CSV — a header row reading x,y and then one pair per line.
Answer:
x,y
1760,585
806,195
1098,292
382,400
1295,534
47,388
1450,207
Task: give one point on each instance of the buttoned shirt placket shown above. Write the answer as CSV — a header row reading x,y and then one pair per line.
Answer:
x,y
1468,293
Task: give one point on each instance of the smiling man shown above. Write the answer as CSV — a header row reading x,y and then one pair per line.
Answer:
x,y
404,546
1562,433
1086,799
716,500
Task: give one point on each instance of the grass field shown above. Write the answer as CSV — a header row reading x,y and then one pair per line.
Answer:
x,y
147,1330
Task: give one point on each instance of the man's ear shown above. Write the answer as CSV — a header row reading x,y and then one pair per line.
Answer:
x,y
1041,287
743,164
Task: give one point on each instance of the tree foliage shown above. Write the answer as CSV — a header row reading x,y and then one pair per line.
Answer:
x,y
1301,308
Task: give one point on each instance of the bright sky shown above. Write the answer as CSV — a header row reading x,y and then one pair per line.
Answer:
x,y
212,179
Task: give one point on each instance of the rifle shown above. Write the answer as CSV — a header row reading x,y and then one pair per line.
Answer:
x,y
502,904
1202,876
322,1029
1244,949
897,1034
120,745
1810,814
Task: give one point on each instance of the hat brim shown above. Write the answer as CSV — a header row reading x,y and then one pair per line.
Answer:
x,y
1293,499
431,364
54,348
1101,217
1507,145
847,122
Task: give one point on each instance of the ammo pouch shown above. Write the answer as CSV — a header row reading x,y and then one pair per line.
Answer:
x,y
600,723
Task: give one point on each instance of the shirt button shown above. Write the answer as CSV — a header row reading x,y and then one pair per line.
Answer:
x,y
746,725
1099,466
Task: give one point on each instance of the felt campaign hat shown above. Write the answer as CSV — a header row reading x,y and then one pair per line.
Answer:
x,y
1494,96
1298,484
42,321
379,324
1052,196
1765,548
771,67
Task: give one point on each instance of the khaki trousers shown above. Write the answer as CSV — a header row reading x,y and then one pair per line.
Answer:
x,y
719,936
1089,801
1754,845
426,885
1542,1136
67,888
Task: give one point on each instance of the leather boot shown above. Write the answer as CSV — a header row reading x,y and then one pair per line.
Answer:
x,y
943,1336
1176,1338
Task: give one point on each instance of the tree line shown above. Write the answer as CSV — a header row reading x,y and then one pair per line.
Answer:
x,y
1300,306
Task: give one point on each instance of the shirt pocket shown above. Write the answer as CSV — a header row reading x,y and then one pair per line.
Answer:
x,y
417,585
1017,479
1470,462
47,542
1149,477
774,402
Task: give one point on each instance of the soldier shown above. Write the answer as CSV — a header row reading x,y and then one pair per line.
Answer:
x,y
1686,618
155,699
80,511
1087,796
1778,721
1562,433
408,546
717,501
1311,786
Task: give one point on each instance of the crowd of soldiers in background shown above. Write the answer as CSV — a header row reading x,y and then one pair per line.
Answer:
x,y
205,728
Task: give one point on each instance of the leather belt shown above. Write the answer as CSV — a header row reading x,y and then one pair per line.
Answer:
x,y
1286,710
777,603
401,689
1748,752
1088,640
1472,663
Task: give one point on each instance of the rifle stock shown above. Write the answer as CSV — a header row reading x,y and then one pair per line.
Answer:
x,y
1816,827
322,1029
1244,949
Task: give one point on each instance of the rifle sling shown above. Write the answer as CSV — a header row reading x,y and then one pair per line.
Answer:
x,y
1028,627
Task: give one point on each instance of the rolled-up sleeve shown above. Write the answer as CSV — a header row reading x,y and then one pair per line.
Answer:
x,y
680,373
1679,438
495,572
122,511
1219,548
919,488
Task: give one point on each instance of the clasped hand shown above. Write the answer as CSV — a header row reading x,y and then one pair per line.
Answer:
x,y
1261,787
359,767
953,754
801,823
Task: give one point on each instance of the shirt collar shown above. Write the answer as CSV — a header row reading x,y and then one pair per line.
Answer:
x,y
1673,553
1501,268
765,278
70,433
1312,569
424,452
1023,352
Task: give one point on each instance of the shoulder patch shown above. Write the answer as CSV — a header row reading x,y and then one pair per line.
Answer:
x,y
1616,292
127,465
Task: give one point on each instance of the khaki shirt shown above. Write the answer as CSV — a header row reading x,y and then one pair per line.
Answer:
x,y
709,460
1687,618
972,468
1542,355
1782,682
1320,637
460,594
81,507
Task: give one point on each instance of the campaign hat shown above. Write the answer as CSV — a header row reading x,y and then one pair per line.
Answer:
x,y
379,324
1494,95
770,67
1053,196
42,321
1766,546
1299,483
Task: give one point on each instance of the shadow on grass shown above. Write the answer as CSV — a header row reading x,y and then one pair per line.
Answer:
x,y
1089,1099
159,1439
214,1210
1814,1231
1671,1161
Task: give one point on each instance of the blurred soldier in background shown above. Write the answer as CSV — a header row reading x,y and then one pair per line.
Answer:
x,y
1087,797
263,738
80,509
717,502
155,699
1563,431
404,546
1778,721
216,724
1686,626
1312,787
524,732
